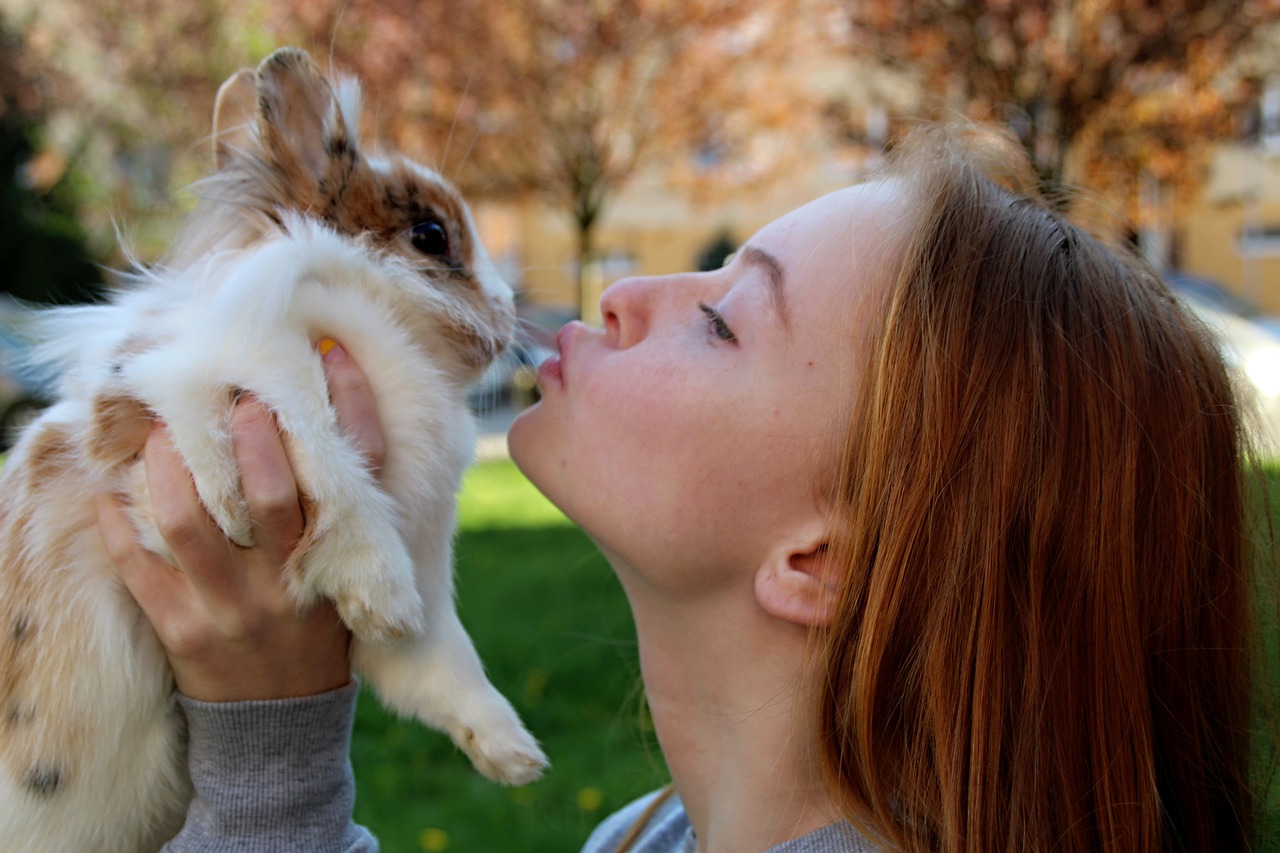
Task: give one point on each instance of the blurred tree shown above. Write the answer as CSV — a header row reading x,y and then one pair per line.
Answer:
x,y
1101,92
42,247
718,252
569,99
129,88
566,100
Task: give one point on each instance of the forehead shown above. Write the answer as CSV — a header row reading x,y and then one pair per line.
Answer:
x,y
837,250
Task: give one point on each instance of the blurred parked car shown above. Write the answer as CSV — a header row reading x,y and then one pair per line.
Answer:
x,y
1253,353
512,379
1213,295
24,390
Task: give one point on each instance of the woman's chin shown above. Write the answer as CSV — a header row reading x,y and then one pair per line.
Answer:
x,y
518,442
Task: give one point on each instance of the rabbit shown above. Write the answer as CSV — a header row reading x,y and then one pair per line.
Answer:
x,y
298,235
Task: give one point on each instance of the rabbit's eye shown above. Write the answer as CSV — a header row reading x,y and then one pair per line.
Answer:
x,y
430,238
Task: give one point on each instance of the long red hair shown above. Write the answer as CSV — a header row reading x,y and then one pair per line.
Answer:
x,y
1044,640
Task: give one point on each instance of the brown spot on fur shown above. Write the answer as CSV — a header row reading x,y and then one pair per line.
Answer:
x,y
132,347
42,781
136,345
45,636
15,653
16,714
51,454
119,430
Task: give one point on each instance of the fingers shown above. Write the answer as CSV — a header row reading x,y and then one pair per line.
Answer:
x,y
266,479
353,399
181,519
229,627
159,589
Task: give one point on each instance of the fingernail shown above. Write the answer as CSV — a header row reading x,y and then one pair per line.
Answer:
x,y
330,351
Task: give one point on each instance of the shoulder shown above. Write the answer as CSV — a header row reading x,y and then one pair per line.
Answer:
x,y
838,837
665,826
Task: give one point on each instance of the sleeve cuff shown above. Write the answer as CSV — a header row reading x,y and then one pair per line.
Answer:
x,y
272,775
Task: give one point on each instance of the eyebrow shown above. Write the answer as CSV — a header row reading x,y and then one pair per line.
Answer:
x,y
774,277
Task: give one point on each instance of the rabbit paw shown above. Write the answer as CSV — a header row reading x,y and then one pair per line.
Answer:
x,y
362,566
394,618
503,751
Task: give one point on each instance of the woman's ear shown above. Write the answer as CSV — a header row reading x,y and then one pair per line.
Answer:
x,y
800,582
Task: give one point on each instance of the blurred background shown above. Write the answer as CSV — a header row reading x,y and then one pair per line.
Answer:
x,y
603,138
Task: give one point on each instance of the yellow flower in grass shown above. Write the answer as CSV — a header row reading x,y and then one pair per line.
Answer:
x,y
590,799
535,686
433,839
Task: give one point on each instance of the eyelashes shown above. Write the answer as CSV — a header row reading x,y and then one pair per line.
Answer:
x,y
716,324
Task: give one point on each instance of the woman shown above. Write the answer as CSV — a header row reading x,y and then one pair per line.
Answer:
x,y
929,511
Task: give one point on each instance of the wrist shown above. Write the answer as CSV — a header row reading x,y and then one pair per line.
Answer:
x,y
215,686
298,654
273,770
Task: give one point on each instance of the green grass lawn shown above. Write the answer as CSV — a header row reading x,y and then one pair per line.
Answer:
x,y
555,632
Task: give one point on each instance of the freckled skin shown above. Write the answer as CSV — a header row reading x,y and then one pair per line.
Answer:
x,y
683,453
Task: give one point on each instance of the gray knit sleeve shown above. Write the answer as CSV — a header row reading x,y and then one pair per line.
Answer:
x,y
272,776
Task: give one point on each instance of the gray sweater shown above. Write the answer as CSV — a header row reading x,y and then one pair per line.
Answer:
x,y
668,831
275,777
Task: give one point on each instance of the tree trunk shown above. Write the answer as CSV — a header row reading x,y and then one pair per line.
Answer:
x,y
586,213
586,251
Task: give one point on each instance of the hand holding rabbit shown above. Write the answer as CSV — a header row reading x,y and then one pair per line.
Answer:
x,y
229,628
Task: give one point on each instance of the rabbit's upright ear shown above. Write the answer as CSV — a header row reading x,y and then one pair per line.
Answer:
x,y
300,122
234,113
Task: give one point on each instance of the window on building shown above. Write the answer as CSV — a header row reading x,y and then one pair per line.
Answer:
x,y
1269,115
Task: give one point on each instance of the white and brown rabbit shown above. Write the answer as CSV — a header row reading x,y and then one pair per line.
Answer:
x,y
299,235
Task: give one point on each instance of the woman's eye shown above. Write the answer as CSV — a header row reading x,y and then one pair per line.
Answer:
x,y
716,324
430,238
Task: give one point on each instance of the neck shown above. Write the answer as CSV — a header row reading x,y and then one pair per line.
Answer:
x,y
735,725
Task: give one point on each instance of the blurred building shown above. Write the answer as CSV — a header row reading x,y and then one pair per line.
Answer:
x,y
1233,234
656,227
648,230
1230,236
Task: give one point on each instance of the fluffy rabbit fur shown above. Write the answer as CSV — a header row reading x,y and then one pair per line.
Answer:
x,y
298,235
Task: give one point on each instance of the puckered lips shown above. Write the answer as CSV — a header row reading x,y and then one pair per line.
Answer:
x,y
551,370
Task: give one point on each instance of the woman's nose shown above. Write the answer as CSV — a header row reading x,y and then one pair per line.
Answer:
x,y
626,307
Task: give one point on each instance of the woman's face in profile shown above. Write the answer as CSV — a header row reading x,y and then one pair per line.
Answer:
x,y
689,433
